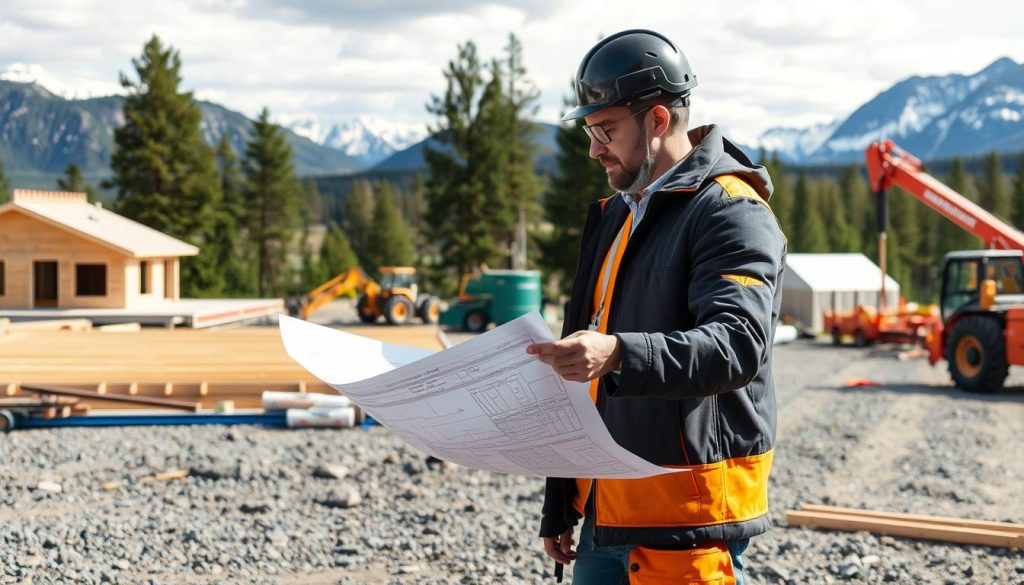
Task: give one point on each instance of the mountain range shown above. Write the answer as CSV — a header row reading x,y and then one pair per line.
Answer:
x,y
932,117
41,132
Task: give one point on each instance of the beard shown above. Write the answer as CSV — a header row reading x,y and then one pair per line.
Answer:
x,y
633,181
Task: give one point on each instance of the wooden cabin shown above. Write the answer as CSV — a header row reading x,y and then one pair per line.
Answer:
x,y
59,251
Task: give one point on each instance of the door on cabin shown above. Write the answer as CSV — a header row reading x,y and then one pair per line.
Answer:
x,y
44,284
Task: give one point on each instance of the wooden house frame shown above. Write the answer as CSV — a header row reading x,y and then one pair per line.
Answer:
x,y
57,250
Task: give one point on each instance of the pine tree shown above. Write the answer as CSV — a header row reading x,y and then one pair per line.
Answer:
x,y
233,252
839,232
809,233
164,173
859,205
464,188
951,236
336,255
391,241
310,275
903,245
993,195
272,197
1018,195
5,187
578,181
782,198
523,184
358,222
74,181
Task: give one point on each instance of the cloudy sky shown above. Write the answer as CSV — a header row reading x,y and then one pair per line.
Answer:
x,y
761,63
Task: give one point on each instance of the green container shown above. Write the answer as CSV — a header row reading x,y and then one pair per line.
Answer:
x,y
498,296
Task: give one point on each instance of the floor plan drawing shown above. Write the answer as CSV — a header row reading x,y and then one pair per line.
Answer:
x,y
484,403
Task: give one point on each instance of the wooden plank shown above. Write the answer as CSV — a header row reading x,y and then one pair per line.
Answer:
x,y
167,475
948,521
918,530
146,400
26,402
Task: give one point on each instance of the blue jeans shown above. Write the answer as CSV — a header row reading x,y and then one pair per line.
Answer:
x,y
609,565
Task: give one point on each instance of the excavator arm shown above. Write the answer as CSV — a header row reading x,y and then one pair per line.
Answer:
x,y
335,287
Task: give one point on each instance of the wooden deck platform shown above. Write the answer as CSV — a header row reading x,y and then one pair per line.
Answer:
x,y
185,364
195,313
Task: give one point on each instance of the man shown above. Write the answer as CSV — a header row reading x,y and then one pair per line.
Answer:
x,y
672,315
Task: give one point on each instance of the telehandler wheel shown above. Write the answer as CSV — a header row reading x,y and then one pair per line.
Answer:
x,y
398,310
476,321
430,310
976,354
363,310
837,337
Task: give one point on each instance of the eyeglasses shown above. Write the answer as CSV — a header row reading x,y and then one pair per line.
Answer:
x,y
597,131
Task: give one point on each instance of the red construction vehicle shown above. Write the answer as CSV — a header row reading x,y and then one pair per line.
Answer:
x,y
981,332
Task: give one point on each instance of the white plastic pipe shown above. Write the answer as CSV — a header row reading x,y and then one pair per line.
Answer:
x,y
339,418
286,400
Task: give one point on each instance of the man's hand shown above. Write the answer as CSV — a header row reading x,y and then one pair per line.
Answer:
x,y
582,356
560,547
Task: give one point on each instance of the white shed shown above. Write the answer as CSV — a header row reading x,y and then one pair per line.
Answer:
x,y
840,282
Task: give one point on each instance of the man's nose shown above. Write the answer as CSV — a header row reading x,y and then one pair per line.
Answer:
x,y
597,150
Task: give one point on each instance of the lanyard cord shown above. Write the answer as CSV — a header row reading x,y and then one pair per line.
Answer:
x,y
595,321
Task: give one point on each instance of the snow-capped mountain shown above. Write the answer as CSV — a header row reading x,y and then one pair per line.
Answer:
x,y
368,140
931,117
24,73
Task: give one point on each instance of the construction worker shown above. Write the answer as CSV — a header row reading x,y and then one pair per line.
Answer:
x,y
671,318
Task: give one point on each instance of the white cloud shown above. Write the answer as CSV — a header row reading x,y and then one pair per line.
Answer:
x,y
762,63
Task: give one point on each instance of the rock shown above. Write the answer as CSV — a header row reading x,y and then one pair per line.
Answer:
x,y
342,498
254,508
849,571
50,487
330,471
214,472
778,570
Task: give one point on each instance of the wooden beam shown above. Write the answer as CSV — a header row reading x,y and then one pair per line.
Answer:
x,y
945,520
920,530
147,400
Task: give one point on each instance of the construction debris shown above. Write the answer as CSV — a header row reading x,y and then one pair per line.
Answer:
x,y
165,476
958,530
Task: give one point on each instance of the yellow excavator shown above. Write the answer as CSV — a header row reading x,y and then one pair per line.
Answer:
x,y
396,296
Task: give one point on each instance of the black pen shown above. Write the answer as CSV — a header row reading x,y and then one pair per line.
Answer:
x,y
559,567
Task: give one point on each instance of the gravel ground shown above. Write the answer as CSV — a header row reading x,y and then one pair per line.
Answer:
x,y
358,506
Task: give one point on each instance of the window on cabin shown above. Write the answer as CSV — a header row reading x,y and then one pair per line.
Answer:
x,y
2,283
91,280
144,277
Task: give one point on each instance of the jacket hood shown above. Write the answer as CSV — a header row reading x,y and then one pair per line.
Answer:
x,y
713,156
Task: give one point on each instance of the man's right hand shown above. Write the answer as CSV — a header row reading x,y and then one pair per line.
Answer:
x,y
560,547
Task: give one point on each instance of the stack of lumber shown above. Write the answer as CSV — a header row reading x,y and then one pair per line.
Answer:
x,y
202,366
958,530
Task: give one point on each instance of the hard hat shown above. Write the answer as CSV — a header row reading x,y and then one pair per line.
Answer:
x,y
630,67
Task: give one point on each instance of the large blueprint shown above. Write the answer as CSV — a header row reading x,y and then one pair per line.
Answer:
x,y
484,403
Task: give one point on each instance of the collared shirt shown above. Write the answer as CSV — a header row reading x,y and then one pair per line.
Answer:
x,y
639,208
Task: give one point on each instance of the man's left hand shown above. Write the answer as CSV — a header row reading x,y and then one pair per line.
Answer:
x,y
582,356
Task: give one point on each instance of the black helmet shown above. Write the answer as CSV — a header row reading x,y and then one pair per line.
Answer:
x,y
629,67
